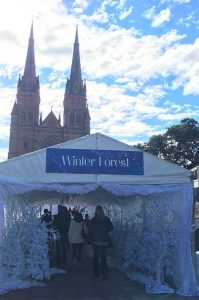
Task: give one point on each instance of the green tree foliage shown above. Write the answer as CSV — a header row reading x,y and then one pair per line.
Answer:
x,y
179,144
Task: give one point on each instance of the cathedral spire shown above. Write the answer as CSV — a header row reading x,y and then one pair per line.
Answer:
x,y
75,74
29,70
75,83
29,82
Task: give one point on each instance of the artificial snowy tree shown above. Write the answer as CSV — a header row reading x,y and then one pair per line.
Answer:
x,y
25,248
12,253
149,250
37,262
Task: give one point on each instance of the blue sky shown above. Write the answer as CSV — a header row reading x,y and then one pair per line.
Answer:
x,y
140,60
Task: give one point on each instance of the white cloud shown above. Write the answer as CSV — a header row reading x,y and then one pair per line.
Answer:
x,y
162,17
158,18
121,5
182,62
117,114
118,4
128,59
51,97
101,50
3,154
176,1
125,13
149,13
79,6
99,16
7,96
178,116
191,19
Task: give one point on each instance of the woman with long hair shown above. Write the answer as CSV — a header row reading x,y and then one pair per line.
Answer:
x,y
99,229
75,237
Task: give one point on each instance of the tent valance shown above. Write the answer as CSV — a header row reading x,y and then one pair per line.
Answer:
x,y
115,189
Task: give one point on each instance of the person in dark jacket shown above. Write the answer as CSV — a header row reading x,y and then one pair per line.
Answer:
x,y
46,218
61,222
99,229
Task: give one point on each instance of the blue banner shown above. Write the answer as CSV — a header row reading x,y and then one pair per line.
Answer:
x,y
84,161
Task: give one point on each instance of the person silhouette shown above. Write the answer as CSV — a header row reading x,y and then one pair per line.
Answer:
x,y
98,232
46,217
61,222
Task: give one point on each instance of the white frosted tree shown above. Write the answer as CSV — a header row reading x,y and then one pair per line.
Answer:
x,y
37,261
12,253
25,248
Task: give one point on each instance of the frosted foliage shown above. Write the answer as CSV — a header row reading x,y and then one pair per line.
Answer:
x,y
152,231
12,254
152,235
25,249
1,219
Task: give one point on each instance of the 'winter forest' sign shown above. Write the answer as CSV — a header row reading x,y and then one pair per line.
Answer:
x,y
84,161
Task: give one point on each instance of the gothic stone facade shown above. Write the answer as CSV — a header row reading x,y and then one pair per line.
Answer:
x,y
28,132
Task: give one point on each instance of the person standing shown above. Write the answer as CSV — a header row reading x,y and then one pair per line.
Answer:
x,y
46,218
75,236
99,229
61,222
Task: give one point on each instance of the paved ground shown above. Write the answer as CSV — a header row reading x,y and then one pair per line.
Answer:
x,y
79,284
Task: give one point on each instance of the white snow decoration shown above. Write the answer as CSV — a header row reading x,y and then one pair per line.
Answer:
x,y
54,271
12,254
1,220
25,249
155,288
37,262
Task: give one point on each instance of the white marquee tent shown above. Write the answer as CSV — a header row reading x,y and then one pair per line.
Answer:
x,y
156,202
31,167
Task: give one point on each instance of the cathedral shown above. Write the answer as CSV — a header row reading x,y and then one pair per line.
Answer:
x,y
28,132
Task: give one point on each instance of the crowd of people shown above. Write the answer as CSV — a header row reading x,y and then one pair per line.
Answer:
x,y
74,231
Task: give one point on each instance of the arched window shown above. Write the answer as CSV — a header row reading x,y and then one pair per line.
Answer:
x,y
49,141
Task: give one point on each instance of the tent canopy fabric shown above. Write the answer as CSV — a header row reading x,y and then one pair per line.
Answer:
x,y
31,167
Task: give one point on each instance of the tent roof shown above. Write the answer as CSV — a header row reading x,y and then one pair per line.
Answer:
x,y
31,167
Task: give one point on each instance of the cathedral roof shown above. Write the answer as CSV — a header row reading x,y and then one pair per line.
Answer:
x,y
51,121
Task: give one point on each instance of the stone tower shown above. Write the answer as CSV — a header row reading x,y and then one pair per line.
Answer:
x,y
25,112
76,113
28,132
